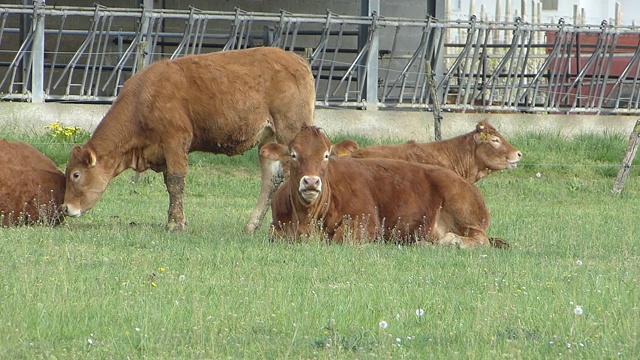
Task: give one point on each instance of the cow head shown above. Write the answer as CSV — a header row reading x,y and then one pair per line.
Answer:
x,y
493,150
86,181
308,157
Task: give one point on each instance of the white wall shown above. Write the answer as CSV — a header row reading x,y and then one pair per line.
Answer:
x,y
595,10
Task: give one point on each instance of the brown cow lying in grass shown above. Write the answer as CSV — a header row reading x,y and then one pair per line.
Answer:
x,y
473,156
367,199
224,103
31,186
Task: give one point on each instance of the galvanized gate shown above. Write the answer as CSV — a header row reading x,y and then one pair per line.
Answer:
x,y
85,54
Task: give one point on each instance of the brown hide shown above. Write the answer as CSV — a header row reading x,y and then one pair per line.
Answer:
x,y
367,199
473,155
224,103
31,186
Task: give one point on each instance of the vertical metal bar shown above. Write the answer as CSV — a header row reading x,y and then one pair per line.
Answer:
x,y
564,69
372,64
513,57
55,52
294,35
102,58
3,24
85,73
438,69
464,76
196,33
37,54
152,53
421,72
608,69
525,62
480,74
322,50
334,60
286,31
101,53
392,57
471,75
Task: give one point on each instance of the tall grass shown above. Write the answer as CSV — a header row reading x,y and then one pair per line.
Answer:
x,y
114,284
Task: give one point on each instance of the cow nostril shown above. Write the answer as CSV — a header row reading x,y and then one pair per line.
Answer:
x,y
311,181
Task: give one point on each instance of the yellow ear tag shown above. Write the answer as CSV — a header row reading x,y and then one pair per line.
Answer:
x,y
483,136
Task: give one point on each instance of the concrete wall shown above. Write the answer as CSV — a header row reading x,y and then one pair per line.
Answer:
x,y
398,125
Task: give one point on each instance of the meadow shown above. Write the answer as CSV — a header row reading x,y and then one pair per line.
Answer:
x,y
114,284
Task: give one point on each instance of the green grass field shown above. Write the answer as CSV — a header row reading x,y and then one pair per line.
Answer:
x,y
114,284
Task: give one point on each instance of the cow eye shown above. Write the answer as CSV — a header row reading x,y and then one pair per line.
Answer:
x,y
294,156
326,155
496,140
75,175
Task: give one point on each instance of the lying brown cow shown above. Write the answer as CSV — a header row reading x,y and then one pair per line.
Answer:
x,y
473,155
223,103
31,186
367,199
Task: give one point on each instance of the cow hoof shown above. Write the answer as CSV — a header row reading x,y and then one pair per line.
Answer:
x,y
174,226
249,229
499,243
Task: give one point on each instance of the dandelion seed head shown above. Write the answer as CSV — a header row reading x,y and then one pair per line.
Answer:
x,y
578,262
383,324
419,312
578,310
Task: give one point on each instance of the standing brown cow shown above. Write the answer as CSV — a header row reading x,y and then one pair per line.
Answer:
x,y
473,156
31,186
223,103
365,199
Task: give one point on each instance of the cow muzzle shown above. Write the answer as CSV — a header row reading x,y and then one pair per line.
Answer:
x,y
513,163
310,188
71,211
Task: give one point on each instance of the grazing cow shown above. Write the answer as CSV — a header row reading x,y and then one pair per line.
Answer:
x,y
224,103
473,155
31,186
366,199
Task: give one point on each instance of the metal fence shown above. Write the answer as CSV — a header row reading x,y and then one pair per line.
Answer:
x,y
85,54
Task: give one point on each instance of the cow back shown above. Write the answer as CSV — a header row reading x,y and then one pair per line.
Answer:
x,y
31,186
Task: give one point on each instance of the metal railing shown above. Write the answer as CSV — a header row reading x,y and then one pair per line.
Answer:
x,y
85,54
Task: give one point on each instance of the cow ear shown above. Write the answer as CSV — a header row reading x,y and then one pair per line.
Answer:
x,y
274,151
84,155
344,148
89,157
480,136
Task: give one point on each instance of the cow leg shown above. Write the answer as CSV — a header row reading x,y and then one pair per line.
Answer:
x,y
175,187
174,178
271,176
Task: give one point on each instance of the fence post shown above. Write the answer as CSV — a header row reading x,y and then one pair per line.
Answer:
x,y
437,112
623,173
370,8
37,54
